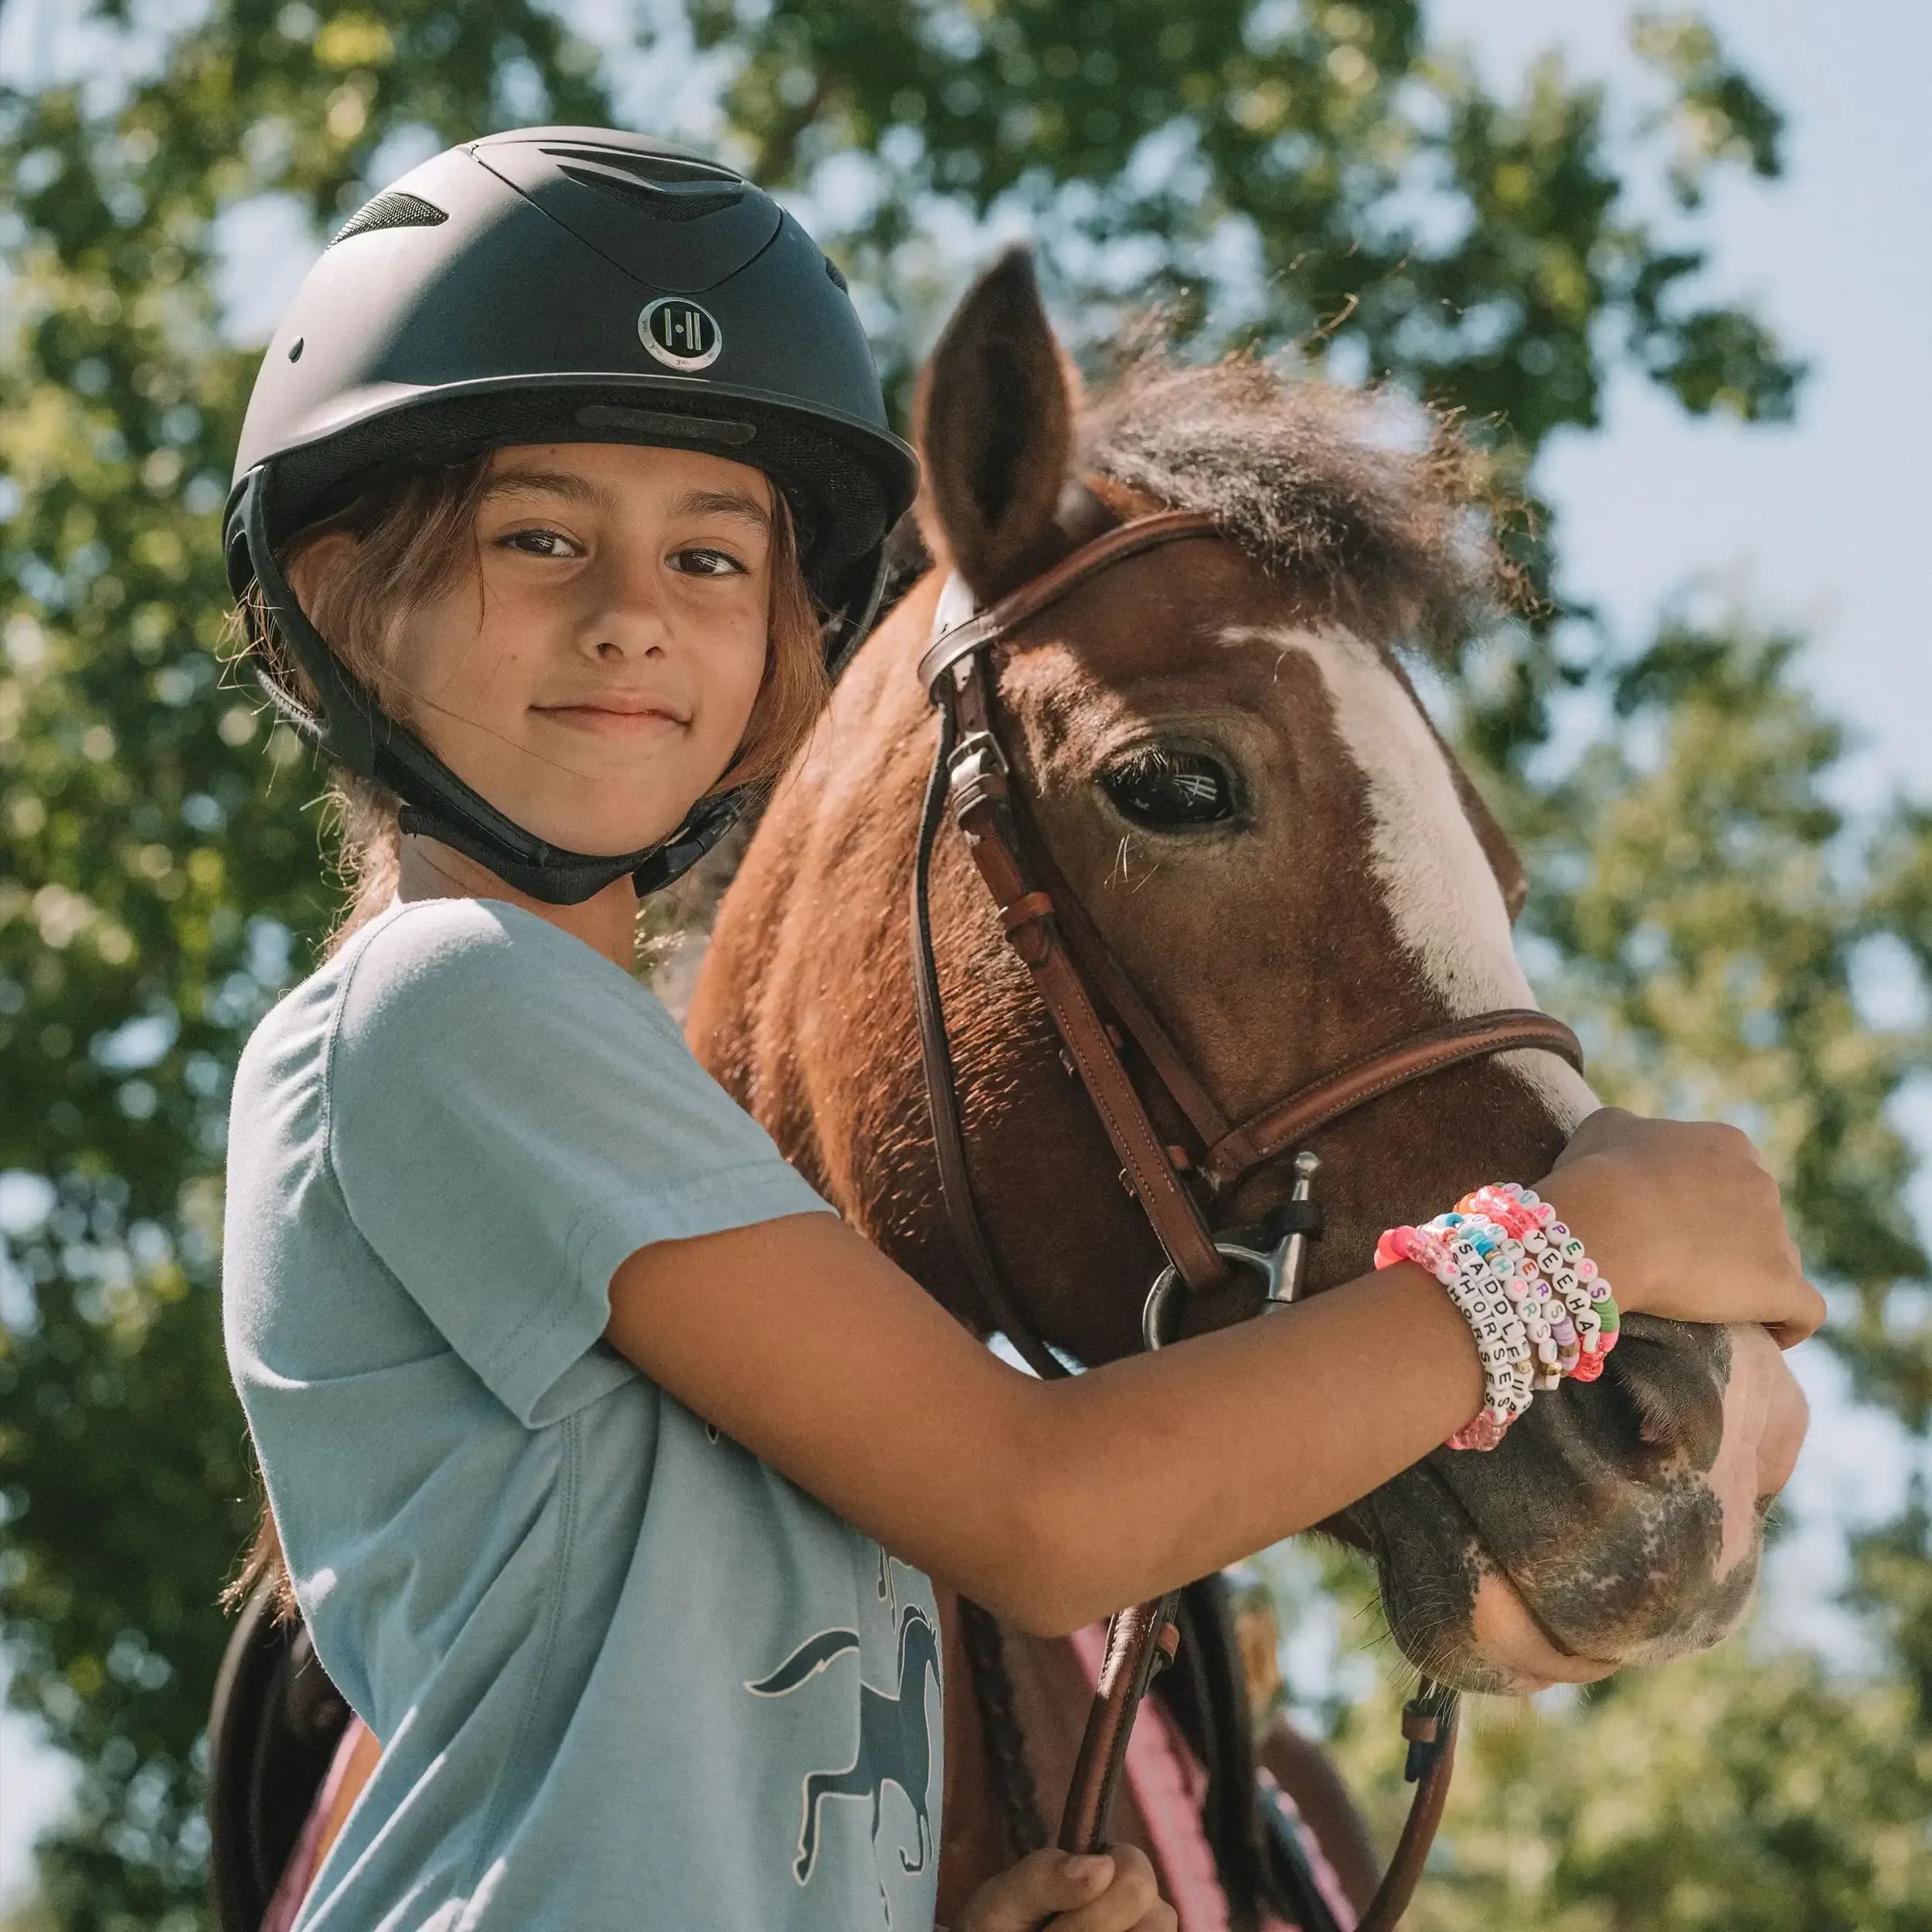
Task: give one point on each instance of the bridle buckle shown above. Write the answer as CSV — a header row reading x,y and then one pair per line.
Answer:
x,y
977,770
1280,1266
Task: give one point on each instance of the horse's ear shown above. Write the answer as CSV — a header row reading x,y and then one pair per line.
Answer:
x,y
993,413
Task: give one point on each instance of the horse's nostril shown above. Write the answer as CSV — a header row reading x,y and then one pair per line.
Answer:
x,y
1619,1425
1662,1393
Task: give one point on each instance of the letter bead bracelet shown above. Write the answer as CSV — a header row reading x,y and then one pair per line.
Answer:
x,y
1534,1301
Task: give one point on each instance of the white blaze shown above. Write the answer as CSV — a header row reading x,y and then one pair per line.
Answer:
x,y
1442,894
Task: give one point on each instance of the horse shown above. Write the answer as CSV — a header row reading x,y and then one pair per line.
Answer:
x,y
1224,754
1222,749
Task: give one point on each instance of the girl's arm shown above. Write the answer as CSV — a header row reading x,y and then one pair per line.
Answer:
x,y
1051,1503
1055,1503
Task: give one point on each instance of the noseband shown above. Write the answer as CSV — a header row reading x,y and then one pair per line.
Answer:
x,y
1078,977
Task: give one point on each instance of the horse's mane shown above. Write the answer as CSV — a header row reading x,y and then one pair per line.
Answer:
x,y
1372,507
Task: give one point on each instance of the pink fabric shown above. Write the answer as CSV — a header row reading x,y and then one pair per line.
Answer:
x,y
299,1872
1326,1880
1169,1782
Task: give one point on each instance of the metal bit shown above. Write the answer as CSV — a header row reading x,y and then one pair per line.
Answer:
x,y
1285,1284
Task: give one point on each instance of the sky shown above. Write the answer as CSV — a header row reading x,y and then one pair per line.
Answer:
x,y
1820,526
1817,527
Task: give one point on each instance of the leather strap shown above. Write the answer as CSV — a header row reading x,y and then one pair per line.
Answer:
x,y
1288,1123
983,806
942,1095
1429,1722
1095,960
1140,1642
1122,540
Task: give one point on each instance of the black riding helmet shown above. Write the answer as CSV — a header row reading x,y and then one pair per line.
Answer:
x,y
559,285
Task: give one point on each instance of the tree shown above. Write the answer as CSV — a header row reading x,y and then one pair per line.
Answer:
x,y
1284,173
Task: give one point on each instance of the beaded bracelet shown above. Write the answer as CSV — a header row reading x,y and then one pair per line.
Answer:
x,y
1501,1341
1558,1257
1535,1303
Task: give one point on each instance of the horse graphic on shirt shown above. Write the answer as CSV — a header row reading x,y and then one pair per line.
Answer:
x,y
894,1747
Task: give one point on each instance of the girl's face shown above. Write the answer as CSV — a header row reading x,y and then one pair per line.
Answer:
x,y
595,679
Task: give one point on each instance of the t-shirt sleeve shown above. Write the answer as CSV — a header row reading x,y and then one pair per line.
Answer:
x,y
509,1117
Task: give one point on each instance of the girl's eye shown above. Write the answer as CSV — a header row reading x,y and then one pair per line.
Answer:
x,y
726,563
554,543
1170,790
517,539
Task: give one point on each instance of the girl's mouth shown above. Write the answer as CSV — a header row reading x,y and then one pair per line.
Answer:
x,y
607,721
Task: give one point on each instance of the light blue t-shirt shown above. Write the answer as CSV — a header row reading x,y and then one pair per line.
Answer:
x,y
625,1675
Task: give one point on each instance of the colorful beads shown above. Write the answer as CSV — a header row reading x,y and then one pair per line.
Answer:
x,y
1538,1307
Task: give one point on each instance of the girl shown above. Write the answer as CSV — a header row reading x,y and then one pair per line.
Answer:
x,y
564,477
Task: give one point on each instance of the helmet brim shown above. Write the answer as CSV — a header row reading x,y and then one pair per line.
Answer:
x,y
846,480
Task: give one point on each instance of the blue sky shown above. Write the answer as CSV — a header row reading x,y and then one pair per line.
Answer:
x,y
1819,526
1816,526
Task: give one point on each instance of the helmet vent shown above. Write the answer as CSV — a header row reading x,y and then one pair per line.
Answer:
x,y
676,200
391,209
644,167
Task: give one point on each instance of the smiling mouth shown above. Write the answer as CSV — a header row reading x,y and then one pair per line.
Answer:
x,y
609,720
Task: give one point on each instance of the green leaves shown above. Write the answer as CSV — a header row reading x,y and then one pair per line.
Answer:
x,y
1288,165
1712,909
1717,115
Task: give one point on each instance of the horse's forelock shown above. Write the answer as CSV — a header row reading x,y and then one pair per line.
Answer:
x,y
1370,505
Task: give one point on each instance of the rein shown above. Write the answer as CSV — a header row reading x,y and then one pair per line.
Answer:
x,y
1079,979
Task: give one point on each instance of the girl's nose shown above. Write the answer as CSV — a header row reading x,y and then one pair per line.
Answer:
x,y
625,619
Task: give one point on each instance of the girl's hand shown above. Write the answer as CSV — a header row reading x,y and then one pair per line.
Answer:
x,y
1110,1891
1685,1221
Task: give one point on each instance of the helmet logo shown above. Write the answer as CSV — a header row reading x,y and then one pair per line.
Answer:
x,y
680,333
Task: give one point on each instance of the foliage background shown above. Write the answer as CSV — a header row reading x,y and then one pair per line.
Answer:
x,y
1297,173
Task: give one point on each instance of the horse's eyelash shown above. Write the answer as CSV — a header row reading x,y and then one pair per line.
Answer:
x,y
1145,760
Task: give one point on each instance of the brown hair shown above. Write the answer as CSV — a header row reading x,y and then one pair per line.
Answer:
x,y
414,534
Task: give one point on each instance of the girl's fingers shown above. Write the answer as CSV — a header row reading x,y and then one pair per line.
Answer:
x,y
1043,1887
1129,1904
1804,1324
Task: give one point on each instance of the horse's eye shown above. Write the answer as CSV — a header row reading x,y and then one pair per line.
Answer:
x,y
1166,789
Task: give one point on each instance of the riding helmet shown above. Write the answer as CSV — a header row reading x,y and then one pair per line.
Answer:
x,y
559,285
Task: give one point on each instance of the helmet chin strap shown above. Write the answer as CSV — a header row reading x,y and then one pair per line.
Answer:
x,y
561,878
352,729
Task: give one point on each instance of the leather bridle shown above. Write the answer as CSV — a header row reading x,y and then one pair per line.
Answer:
x,y
1077,977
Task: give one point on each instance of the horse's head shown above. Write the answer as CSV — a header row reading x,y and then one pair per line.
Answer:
x,y
1219,749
